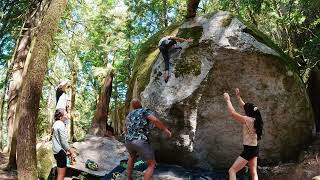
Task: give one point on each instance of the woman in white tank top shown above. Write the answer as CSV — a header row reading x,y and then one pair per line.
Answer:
x,y
252,126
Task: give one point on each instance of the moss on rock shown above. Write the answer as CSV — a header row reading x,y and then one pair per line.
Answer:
x,y
195,33
44,164
264,39
227,20
189,63
147,56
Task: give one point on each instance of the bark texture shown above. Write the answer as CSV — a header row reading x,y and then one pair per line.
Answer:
x,y
100,118
192,8
28,105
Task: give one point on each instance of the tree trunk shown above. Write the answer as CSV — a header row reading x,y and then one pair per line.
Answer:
x,y
14,88
50,107
314,94
18,64
2,102
115,118
165,13
192,8
73,98
33,75
100,118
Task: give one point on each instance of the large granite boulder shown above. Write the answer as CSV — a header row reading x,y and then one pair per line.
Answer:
x,y
225,54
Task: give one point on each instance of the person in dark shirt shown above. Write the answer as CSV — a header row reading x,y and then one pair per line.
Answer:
x,y
165,44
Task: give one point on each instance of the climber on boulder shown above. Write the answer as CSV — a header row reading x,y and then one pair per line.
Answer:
x,y
252,126
137,137
165,45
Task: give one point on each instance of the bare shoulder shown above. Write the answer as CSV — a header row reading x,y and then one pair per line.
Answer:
x,y
248,119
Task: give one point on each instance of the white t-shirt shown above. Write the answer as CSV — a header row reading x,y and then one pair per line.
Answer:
x,y
62,102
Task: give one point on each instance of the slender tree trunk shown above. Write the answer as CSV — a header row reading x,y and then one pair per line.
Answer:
x,y
192,8
252,17
73,97
14,87
2,102
28,106
165,13
50,107
100,118
115,118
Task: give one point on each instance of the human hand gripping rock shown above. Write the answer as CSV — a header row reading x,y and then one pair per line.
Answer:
x,y
226,96
167,132
237,92
189,40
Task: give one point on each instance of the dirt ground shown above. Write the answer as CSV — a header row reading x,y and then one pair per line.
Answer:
x,y
306,169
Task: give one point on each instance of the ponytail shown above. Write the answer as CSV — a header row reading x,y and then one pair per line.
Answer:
x,y
258,124
253,111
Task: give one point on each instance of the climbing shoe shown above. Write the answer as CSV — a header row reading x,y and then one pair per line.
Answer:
x,y
91,165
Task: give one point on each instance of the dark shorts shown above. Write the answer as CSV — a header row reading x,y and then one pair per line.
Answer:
x,y
249,152
61,159
141,148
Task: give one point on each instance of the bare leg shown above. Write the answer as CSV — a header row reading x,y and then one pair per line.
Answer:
x,y
132,159
149,172
61,173
237,166
253,168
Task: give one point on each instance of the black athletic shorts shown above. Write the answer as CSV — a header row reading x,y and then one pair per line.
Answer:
x,y
61,159
249,152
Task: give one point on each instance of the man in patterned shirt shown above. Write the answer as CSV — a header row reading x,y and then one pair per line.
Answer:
x,y
137,137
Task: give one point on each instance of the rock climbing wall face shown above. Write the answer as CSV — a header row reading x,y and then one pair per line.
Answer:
x,y
264,81
226,55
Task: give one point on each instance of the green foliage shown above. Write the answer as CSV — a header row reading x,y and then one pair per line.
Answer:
x,y
12,15
43,128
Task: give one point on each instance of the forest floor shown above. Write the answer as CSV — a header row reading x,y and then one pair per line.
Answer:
x,y
4,174
307,168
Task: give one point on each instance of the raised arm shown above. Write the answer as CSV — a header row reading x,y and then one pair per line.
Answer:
x,y
241,102
181,39
159,125
236,116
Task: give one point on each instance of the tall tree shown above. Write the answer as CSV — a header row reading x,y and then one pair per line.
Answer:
x,y
33,76
20,56
192,8
74,73
14,88
99,122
